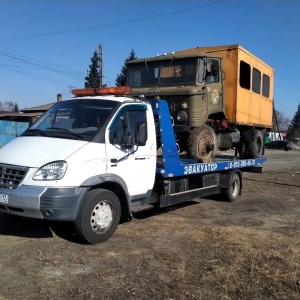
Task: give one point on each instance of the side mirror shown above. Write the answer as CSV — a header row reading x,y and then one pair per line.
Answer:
x,y
141,134
126,141
113,138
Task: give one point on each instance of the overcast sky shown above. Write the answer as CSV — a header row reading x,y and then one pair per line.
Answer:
x,y
46,45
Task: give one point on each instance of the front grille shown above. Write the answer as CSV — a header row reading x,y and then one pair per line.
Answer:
x,y
11,176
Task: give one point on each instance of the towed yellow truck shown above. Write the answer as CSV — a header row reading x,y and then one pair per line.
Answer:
x,y
220,97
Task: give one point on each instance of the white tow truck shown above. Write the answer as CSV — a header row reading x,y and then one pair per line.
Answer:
x,y
93,160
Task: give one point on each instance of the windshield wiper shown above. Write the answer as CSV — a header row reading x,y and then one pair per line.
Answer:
x,y
58,128
171,61
34,132
64,132
147,66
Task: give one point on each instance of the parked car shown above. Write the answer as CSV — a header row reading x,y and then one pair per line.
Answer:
x,y
283,145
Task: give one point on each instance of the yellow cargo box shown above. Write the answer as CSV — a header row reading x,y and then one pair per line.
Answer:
x,y
248,83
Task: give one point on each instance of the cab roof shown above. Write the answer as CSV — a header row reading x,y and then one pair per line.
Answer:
x,y
105,97
171,56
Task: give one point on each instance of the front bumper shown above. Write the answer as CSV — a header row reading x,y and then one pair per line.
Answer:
x,y
42,202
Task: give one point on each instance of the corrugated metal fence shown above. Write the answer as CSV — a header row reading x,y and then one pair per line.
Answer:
x,y
9,130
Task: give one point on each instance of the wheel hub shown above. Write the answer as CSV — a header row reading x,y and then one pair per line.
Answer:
x,y
102,217
205,146
235,188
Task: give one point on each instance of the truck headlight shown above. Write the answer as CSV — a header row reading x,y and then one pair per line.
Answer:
x,y
182,116
52,171
184,105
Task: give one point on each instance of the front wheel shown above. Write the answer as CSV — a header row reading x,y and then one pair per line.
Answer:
x,y
202,144
99,216
234,189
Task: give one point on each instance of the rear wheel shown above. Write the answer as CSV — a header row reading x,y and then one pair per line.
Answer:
x,y
202,144
234,189
99,216
242,150
257,145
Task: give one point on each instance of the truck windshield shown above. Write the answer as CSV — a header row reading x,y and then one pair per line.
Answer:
x,y
79,119
162,73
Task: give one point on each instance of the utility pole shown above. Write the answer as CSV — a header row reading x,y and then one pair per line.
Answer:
x,y
100,65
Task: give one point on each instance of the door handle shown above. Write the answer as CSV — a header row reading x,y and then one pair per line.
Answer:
x,y
114,162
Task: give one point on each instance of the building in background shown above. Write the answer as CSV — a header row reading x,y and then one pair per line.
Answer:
x,y
13,124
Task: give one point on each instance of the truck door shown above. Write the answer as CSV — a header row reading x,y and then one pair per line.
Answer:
x,y
214,86
130,160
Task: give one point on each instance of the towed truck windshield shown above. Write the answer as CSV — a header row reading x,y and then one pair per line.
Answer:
x,y
162,72
79,119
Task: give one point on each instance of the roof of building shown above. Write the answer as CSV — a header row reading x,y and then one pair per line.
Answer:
x,y
40,108
27,114
14,116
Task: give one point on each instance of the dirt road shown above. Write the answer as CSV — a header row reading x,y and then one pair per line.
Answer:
x,y
207,249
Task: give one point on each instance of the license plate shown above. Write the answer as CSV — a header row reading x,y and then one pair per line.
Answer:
x,y
3,198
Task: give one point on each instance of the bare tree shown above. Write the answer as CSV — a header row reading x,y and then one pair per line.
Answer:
x,y
282,121
9,106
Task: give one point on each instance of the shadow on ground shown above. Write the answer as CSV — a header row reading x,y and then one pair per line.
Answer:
x,y
32,228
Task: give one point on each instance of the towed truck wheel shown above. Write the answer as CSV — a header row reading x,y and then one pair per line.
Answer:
x,y
202,144
242,150
252,148
99,216
257,145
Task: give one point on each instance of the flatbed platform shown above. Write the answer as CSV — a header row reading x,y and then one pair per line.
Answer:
x,y
172,164
186,166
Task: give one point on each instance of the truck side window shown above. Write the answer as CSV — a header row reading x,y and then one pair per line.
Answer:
x,y
245,75
212,71
256,81
266,86
125,125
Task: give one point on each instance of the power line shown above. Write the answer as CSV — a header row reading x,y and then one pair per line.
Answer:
x,y
33,75
56,68
117,23
36,66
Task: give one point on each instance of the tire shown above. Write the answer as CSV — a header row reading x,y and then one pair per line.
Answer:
x,y
199,141
242,150
99,216
257,145
234,189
